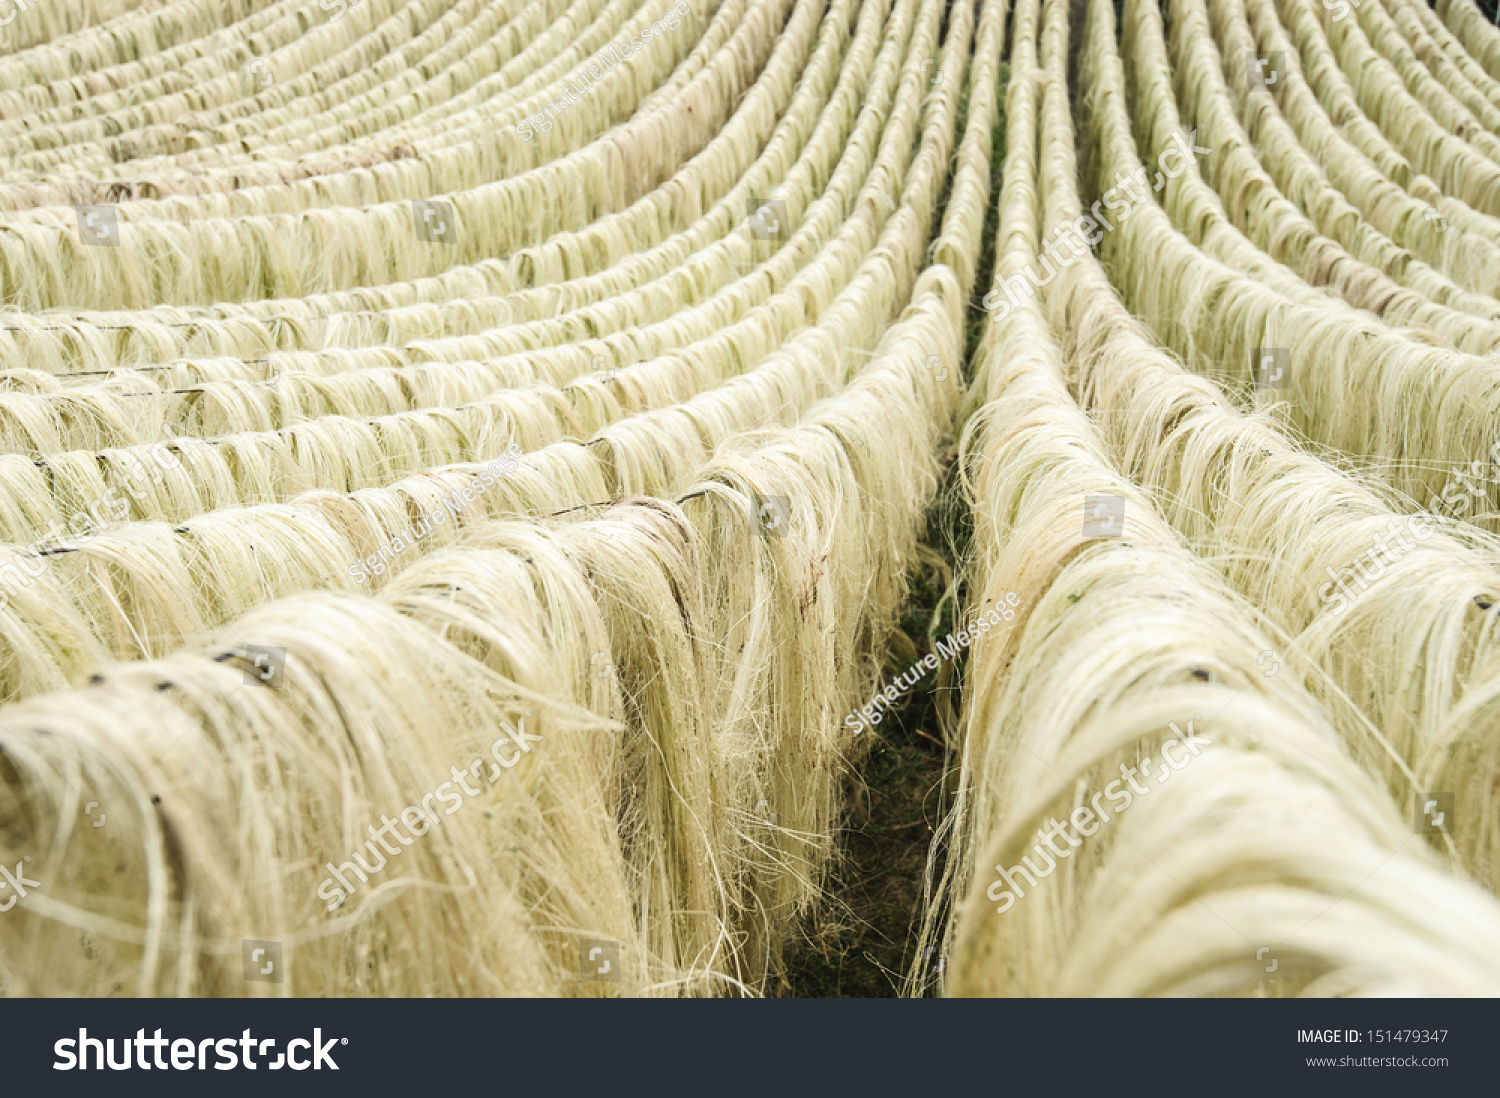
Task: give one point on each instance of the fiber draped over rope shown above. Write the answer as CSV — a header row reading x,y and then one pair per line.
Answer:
x,y
1144,742
539,403
533,468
